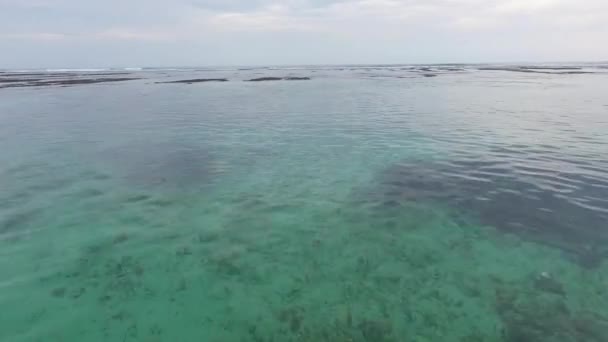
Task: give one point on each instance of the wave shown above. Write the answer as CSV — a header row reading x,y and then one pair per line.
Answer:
x,y
75,70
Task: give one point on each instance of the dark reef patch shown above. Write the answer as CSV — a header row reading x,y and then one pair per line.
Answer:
x,y
168,166
538,70
18,223
550,68
38,74
63,82
17,80
531,201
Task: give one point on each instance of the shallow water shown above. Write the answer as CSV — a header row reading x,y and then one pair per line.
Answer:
x,y
366,204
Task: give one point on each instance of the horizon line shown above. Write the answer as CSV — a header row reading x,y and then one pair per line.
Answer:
x,y
301,65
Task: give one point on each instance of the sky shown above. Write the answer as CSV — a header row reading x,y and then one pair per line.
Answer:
x,y
137,33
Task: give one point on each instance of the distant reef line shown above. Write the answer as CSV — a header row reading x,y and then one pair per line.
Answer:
x,y
259,79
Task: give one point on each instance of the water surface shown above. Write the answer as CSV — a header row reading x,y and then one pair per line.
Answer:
x,y
369,203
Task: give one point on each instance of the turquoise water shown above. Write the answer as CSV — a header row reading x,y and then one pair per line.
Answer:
x,y
367,204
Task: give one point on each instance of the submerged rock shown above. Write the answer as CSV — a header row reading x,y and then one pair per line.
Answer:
x,y
290,78
546,283
263,79
297,78
59,292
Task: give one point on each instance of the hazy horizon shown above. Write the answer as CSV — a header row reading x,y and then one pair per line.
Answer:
x,y
137,67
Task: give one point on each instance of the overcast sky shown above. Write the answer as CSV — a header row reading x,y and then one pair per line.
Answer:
x,y
130,33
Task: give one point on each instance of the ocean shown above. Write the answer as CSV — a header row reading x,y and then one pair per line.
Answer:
x,y
406,203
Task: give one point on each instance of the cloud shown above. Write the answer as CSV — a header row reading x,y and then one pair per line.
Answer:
x,y
475,23
525,6
340,30
93,17
234,5
270,18
133,34
377,15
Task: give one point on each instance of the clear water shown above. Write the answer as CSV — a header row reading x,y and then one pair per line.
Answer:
x,y
367,204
